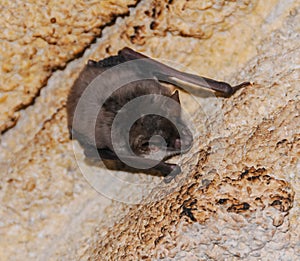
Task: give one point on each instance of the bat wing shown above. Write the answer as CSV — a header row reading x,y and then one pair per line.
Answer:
x,y
168,74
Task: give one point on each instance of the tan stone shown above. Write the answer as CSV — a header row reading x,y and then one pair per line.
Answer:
x,y
238,195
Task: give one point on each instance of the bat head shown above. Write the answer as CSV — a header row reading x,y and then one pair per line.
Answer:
x,y
155,134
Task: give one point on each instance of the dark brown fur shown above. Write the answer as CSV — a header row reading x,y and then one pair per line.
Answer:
x,y
146,73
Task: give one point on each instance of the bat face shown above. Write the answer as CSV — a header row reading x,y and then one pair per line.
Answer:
x,y
157,130
154,134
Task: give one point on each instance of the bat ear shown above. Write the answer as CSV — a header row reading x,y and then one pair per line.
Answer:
x,y
175,96
91,63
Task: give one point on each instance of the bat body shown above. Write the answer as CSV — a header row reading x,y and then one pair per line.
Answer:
x,y
123,89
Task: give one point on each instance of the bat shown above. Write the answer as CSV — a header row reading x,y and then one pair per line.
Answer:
x,y
119,110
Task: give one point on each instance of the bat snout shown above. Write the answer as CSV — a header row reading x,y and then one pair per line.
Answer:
x,y
177,144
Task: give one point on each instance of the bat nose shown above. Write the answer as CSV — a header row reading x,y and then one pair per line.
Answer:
x,y
177,144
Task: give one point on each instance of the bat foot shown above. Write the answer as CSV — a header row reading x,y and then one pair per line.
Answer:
x,y
174,171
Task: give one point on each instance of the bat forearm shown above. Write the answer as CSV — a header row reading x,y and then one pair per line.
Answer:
x,y
181,79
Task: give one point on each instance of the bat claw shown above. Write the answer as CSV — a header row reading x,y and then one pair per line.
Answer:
x,y
240,86
175,170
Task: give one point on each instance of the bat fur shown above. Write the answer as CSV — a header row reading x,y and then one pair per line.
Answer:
x,y
116,81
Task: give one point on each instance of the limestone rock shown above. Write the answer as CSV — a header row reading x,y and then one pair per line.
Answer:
x,y
238,194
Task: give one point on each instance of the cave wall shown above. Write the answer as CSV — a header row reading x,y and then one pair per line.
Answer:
x,y
238,194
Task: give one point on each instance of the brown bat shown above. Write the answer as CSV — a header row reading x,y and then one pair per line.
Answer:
x,y
126,87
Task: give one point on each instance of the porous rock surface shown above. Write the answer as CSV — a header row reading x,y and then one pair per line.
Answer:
x,y
39,37
238,195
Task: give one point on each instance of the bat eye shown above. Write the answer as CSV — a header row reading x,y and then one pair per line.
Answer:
x,y
145,144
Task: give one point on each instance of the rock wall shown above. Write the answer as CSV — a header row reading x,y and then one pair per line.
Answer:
x,y
238,195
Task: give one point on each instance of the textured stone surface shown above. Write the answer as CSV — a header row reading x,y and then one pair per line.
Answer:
x,y
238,195
37,38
